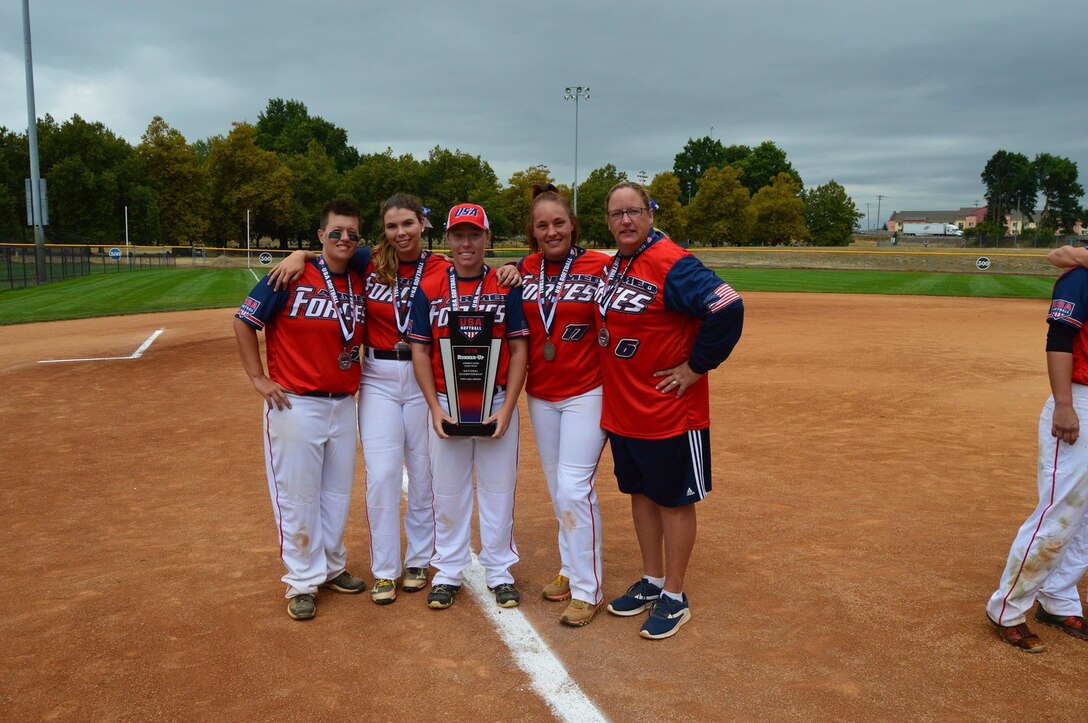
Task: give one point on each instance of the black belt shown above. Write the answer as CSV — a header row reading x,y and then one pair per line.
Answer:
x,y
390,354
327,395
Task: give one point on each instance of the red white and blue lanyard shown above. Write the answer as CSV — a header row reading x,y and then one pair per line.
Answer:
x,y
402,322
348,333
455,297
616,277
548,305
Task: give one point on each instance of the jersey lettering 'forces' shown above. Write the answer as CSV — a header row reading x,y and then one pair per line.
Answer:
x,y
431,308
302,333
576,368
381,323
1069,305
653,320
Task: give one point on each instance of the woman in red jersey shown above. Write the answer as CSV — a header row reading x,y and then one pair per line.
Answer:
x,y
564,392
665,320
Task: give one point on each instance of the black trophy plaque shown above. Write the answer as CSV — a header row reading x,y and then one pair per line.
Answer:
x,y
470,361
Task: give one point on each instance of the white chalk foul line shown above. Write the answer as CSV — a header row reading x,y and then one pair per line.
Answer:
x,y
546,673
134,355
258,278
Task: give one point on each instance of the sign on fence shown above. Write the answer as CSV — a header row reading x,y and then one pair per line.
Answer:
x,y
115,253
265,258
982,263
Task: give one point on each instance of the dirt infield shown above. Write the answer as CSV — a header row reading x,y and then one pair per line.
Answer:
x,y
873,458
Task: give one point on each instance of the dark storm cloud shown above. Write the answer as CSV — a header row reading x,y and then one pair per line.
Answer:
x,y
903,99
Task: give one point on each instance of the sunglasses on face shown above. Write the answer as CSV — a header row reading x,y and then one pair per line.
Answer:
x,y
337,235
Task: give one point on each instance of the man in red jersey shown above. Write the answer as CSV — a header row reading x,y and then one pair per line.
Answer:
x,y
313,330
665,320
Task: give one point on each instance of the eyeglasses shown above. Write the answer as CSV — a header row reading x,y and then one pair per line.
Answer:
x,y
631,213
337,235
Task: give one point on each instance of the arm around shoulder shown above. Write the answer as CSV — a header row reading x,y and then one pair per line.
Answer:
x,y
1067,256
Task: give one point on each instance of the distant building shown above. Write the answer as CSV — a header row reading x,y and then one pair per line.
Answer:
x,y
965,218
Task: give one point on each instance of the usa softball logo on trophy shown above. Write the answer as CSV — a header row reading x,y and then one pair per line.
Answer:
x,y
470,361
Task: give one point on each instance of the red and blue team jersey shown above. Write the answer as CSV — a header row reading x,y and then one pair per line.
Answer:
x,y
302,333
430,316
576,368
1069,305
668,310
381,323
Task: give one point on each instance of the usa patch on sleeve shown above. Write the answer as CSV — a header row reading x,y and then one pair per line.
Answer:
x,y
249,307
1061,309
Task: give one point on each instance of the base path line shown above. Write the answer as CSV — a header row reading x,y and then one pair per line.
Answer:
x,y
134,355
546,673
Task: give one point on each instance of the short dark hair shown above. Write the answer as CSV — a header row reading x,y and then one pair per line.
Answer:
x,y
340,207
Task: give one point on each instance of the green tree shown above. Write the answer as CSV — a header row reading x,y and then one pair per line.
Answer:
x,y
314,182
14,167
448,178
720,213
1057,180
669,217
243,177
778,212
377,177
592,221
1010,180
698,155
93,176
180,184
287,127
518,195
830,214
763,164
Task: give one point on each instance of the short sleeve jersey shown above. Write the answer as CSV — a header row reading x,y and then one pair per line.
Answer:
x,y
381,320
302,334
1069,305
576,368
430,316
652,318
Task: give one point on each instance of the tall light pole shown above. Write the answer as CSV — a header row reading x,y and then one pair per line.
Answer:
x,y
574,93
32,136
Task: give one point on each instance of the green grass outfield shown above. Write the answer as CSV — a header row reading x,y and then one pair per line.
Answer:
x,y
179,289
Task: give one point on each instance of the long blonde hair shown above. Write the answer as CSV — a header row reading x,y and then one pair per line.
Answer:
x,y
385,258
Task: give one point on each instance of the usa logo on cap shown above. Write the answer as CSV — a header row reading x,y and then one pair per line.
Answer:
x,y
468,213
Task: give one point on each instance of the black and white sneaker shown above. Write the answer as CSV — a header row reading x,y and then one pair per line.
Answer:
x,y
506,595
441,596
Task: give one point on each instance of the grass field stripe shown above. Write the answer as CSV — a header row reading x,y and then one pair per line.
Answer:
x,y
548,676
134,355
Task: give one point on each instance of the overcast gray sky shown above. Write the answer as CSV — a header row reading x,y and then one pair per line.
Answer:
x,y
903,99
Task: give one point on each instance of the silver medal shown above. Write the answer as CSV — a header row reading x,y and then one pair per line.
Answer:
x,y
603,336
344,361
549,351
402,346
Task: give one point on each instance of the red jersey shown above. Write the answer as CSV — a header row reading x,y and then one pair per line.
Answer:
x,y
431,307
576,368
381,319
653,311
303,338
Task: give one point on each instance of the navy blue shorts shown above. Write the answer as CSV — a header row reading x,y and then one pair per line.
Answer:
x,y
672,472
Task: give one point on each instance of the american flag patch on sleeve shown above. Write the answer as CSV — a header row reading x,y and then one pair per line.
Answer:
x,y
720,298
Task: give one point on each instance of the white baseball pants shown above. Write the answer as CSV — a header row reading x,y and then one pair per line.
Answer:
x,y
1050,554
393,424
496,465
569,440
310,462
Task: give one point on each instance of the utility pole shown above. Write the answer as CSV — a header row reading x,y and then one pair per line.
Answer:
x,y
32,136
868,226
574,93
879,198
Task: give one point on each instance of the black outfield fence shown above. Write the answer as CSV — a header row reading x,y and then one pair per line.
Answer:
x,y
19,269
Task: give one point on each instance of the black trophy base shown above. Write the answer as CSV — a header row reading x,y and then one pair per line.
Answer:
x,y
469,429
